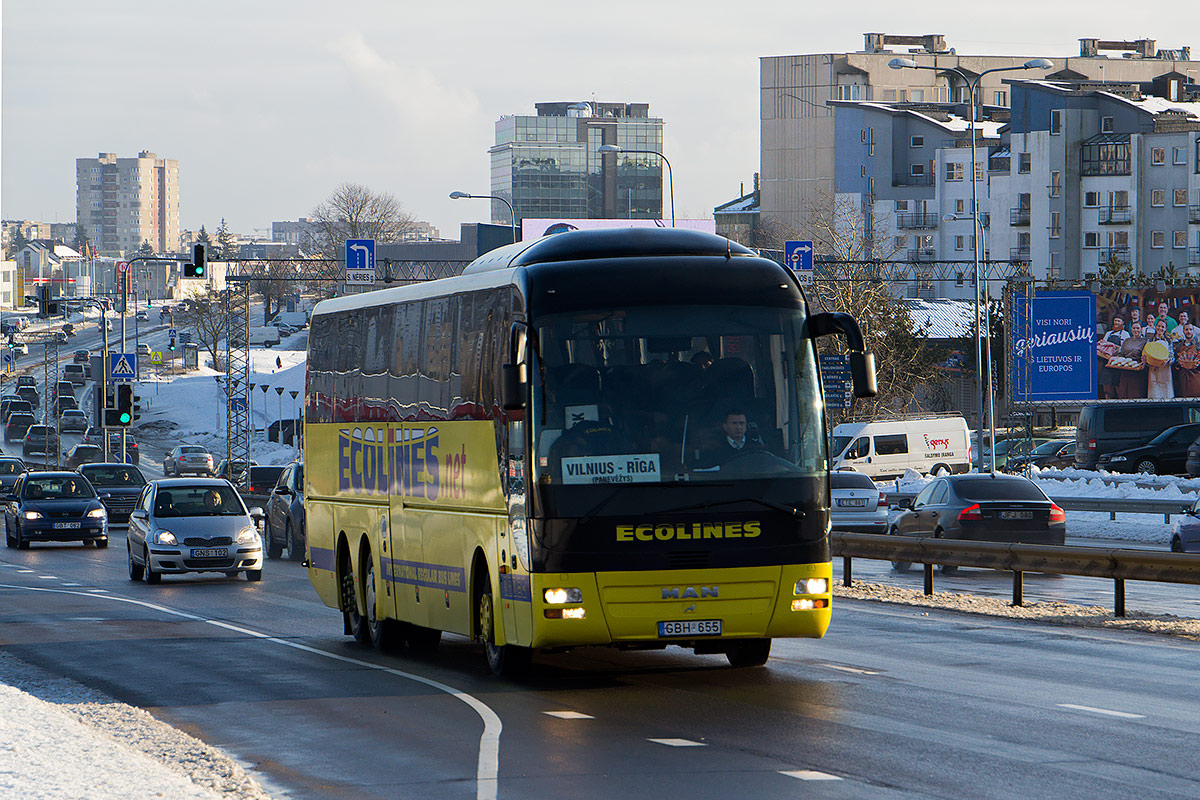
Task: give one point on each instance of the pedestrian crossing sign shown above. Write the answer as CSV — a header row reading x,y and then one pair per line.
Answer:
x,y
122,366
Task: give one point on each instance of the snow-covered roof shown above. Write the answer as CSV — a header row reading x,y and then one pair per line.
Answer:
x,y
747,202
942,318
953,123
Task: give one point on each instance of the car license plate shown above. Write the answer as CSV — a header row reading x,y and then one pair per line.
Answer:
x,y
690,627
852,502
212,552
66,526
1016,515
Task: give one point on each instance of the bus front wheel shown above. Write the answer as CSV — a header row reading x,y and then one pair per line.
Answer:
x,y
356,623
504,659
748,652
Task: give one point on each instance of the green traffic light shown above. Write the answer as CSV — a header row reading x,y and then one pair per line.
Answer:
x,y
125,418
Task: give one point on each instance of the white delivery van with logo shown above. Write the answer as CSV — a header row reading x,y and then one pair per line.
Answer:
x,y
886,448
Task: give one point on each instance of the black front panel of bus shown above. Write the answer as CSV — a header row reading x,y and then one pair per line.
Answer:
x,y
680,527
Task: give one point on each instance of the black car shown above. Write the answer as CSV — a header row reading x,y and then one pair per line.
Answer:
x,y
41,440
17,426
119,486
82,454
65,401
1107,428
17,407
1057,453
988,508
261,483
29,393
1165,454
54,507
10,470
81,357
285,531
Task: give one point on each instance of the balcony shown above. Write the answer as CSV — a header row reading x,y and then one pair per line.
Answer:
x,y
1018,254
922,254
1115,215
1106,254
916,221
1194,256
1194,214
1018,217
912,180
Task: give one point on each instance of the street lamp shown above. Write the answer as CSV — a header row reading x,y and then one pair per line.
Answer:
x,y
972,88
616,148
512,213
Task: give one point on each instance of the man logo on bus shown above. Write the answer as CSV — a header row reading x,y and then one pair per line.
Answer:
x,y
372,460
936,443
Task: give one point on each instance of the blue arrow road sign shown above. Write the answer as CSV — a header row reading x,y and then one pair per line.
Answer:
x,y
122,366
237,404
360,254
799,255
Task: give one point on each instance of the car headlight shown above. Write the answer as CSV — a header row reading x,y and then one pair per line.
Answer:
x,y
1117,458
560,596
33,515
97,513
165,537
247,535
811,586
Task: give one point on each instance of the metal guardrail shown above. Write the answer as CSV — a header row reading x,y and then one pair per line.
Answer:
x,y
1118,565
1113,505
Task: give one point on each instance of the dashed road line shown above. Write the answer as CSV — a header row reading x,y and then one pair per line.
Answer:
x,y
855,670
809,775
567,715
678,742
1105,711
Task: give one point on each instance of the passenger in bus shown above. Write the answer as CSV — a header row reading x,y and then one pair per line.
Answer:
x,y
734,440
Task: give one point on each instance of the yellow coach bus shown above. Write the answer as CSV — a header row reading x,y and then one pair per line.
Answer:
x,y
610,437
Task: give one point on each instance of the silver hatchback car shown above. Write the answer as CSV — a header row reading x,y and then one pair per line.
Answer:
x,y
193,525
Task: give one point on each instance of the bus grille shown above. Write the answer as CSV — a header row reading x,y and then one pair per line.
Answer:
x,y
688,559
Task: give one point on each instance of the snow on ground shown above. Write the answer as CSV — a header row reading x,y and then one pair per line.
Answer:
x,y
1080,484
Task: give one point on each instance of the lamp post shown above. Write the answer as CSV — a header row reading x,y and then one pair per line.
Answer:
x,y
972,88
295,431
616,148
511,212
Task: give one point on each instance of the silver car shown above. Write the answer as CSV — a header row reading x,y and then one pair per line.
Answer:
x,y
855,504
188,458
193,525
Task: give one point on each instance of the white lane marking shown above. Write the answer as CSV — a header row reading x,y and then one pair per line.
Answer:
x,y
1104,711
677,742
809,775
851,669
49,577
25,571
488,767
72,584
567,715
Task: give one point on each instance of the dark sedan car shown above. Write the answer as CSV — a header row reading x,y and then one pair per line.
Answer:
x,y
82,454
54,507
10,470
989,508
119,485
260,485
17,426
285,532
1165,454
29,393
1058,453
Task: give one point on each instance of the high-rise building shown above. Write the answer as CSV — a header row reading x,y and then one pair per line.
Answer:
x,y
797,124
123,202
549,165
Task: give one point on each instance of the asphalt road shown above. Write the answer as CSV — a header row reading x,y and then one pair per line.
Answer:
x,y
894,702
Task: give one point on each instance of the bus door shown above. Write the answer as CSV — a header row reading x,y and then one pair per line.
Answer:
x,y
515,601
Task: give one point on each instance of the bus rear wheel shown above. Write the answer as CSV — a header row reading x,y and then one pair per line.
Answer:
x,y
748,652
504,659
356,624
383,634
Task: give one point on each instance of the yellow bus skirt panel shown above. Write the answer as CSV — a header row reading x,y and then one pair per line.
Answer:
x,y
322,552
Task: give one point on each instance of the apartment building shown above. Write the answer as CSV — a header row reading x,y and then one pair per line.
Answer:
x,y
797,120
123,202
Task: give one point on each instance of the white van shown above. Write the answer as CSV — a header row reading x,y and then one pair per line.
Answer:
x,y
886,448
265,336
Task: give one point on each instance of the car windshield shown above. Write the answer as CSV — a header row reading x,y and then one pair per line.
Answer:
x,y
998,489
198,501
114,476
838,444
651,394
1048,448
11,468
58,487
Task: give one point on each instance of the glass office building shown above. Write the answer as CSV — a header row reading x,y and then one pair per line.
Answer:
x,y
549,166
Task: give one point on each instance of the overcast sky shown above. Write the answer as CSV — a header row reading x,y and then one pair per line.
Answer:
x,y
269,104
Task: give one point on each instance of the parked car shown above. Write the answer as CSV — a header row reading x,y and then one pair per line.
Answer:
x,y
53,507
886,448
1010,448
76,374
855,504
81,357
30,394
40,440
192,525
1165,454
82,454
261,482
990,508
17,407
17,426
1107,428
1057,453
10,470
286,531
119,485
73,420
188,458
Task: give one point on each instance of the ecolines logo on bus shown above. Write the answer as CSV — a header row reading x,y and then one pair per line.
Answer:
x,y
667,531
370,460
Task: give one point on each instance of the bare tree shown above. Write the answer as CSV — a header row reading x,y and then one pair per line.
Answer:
x,y
276,285
354,211
207,314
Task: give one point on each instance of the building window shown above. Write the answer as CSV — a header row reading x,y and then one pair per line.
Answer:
x,y
1024,162
902,205
1055,183
954,171
1105,157
1180,157
916,170
960,206
1055,225
1158,198
1106,124
1158,239
1180,198
1180,240
1055,121
978,172
916,95
1091,239
901,242
999,98
916,141
1091,199
1158,155
958,242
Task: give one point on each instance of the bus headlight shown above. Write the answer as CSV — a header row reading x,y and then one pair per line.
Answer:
x,y
811,586
557,597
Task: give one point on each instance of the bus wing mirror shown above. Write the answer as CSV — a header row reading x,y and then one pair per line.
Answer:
x,y
512,387
862,372
862,363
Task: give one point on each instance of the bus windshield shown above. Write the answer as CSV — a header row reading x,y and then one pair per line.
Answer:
x,y
653,394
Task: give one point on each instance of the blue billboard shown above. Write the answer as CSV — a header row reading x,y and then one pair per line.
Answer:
x,y
1054,347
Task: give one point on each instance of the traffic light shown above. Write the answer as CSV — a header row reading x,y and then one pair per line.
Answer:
x,y
127,408
199,264
171,346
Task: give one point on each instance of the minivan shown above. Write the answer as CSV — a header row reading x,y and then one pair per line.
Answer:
x,y
1107,427
886,448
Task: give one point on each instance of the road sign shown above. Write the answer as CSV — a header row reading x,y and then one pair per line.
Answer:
x,y
237,404
122,366
156,357
837,380
171,332
799,256
122,267
360,262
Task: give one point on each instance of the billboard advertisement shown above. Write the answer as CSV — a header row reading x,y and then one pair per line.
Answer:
x,y
536,228
1148,344
1054,347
